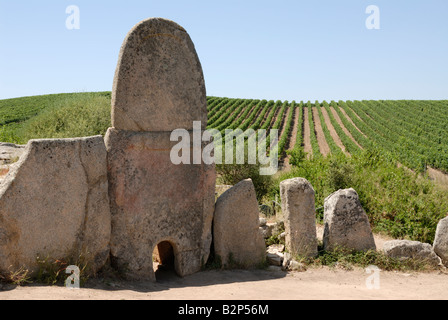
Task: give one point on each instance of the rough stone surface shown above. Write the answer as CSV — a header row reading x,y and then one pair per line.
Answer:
x,y
153,200
275,254
159,83
299,216
287,258
346,223
54,204
405,249
158,87
236,227
441,241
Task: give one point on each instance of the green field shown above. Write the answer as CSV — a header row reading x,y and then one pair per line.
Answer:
x,y
380,148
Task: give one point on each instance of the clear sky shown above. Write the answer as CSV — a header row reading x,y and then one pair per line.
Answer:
x,y
285,49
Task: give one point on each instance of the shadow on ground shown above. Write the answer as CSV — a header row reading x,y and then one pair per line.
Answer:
x,y
167,280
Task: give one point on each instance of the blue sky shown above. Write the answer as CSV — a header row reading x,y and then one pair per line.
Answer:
x,y
287,50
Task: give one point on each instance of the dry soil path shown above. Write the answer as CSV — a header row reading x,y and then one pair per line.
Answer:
x,y
316,283
321,283
307,132
323,145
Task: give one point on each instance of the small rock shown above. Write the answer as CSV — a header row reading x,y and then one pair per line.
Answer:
x,y
287,257
276,248
282,237
274,268
263,222
275,259
296,266
405,249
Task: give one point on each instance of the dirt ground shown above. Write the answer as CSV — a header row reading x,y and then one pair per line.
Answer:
x,y
272,284
314,284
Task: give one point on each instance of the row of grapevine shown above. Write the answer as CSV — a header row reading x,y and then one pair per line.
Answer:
x,y
413,132
283,140
348,143
313,135
334,148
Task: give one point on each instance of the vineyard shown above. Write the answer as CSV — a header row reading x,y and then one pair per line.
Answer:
x,y
415,133
335,145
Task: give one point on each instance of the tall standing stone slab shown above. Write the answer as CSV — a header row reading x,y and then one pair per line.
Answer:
x,y
346,223
159,83
158,87
298,207
236,235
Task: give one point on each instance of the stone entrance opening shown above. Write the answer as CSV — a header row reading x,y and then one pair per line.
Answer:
x,y
163,261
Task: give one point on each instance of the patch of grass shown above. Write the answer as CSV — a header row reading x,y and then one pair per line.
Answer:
x,y
75,116
65,115
347,260
53,271
18,277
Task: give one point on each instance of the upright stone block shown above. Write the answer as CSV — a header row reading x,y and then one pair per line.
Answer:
x,y
153,200
441,241
236,235
158,87
159,83
346,223
300,216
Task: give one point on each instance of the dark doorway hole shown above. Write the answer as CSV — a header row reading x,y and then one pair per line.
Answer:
x,y
163,261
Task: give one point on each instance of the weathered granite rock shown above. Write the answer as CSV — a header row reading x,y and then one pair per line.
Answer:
x,y
275,255
159,83
54,204
153,200
299,216
441,241
236,233
346,223
158,87
405,249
